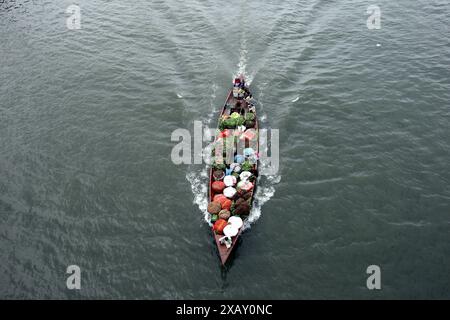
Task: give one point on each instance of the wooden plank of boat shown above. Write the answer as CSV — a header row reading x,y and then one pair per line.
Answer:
x,y
230,104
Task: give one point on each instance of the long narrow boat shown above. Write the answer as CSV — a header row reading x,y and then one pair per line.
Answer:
x,y
246,135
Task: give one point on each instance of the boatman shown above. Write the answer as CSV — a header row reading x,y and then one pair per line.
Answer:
x,y
241,94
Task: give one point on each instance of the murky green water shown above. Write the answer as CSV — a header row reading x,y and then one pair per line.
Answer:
x,y
86,118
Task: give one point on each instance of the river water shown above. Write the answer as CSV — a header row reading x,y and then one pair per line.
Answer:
x,y
86,177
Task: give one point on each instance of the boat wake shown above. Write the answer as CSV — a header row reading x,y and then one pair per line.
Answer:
x,y
199,184
243,62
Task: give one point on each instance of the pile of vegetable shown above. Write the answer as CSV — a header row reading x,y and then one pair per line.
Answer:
x,y
231,122
233,199
250,120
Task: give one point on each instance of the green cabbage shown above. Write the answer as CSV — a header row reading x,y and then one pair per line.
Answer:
x,y
250,116
247,166
235,115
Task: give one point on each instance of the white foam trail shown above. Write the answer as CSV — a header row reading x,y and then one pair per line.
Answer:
x,y
199,184
242,65
212,103
296,99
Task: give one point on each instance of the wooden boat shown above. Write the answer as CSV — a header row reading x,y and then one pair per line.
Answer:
x,y
229,107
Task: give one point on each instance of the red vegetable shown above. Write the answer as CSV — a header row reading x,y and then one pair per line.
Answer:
x,y
226,205
214,207
220,198
218,186
225,133
219,225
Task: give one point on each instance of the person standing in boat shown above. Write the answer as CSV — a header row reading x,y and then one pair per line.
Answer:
x,y
236,92
241,94
240,89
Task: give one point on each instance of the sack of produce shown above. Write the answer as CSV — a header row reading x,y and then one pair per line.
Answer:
x,y
230,230
219,166
214,207
246,195
245,186
229,192
225,133
226,205
218,175
245,175
220,198
250,124
253,158
247,166
231,123
236,221
248,152
224,214
249,116
235,167
230,181
249,134
235,115
219,225
239,202
218,186
239,158
242,210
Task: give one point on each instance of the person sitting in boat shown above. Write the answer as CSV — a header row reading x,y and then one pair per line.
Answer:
x,y
241,94
236,92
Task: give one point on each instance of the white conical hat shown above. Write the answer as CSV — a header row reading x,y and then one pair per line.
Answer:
x,y
236,221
